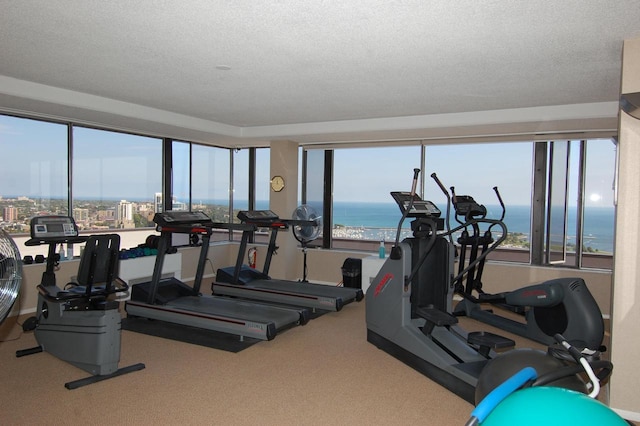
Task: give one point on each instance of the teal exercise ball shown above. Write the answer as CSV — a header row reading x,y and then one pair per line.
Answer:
x,y
551,406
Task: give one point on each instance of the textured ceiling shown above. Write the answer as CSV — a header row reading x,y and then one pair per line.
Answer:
x,y
226,70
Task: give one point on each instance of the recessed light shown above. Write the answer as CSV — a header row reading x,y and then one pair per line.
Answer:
x,y
223,67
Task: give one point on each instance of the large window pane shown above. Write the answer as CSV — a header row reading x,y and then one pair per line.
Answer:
x,y
240,180
557,199
599,211
263,170
33,175
363,209
181,174
315,182
210,181
474,169
116,181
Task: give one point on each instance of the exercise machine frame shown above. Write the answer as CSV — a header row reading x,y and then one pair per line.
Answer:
x,y
79,324
243,281
557,306
171,301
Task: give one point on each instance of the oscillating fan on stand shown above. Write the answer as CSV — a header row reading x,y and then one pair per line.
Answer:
x,y
307,225
10,274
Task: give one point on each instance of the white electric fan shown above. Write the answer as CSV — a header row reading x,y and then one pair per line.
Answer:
x,y
307,225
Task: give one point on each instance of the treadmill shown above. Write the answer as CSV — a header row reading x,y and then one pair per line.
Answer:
x,y
171,301
248,283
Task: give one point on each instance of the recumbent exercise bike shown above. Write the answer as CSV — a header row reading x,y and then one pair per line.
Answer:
x,y
80,323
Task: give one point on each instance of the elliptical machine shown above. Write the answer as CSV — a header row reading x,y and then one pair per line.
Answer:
x,y
409,305
79,324
558,306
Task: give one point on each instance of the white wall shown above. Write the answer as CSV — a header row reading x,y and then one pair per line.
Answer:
x,y
625,344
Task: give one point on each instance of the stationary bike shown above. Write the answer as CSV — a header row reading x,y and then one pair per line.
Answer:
x,y
561,305
79,323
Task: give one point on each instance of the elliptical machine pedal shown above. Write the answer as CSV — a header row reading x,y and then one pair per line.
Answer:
x,y
486,342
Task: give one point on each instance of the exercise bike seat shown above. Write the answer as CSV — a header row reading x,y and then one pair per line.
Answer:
x,y
96,272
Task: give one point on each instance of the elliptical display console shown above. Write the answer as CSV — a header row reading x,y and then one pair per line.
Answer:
x,y
414,205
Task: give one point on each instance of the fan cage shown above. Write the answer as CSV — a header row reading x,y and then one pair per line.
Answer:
x,y
10,273
306,233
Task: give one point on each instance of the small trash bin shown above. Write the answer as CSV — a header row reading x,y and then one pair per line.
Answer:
x,y
352,273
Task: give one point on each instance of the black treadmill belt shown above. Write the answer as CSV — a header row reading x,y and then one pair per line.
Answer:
x,y
193,335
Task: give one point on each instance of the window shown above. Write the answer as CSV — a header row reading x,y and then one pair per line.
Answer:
x,y
116,177
240,181
181,174
314,187
363,208
580,212
262,173
598,209
575,201
33,175
475,169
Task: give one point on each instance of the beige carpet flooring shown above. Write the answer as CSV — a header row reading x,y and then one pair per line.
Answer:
x,y
322,373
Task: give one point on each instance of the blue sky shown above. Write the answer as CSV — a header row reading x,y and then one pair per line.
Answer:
x,y
129,168
370,174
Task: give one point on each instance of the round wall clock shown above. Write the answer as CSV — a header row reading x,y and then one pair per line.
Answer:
x,y
277,183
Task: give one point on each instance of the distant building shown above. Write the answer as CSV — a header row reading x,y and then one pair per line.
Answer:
x,y
175,205
10,214
124,215
157,202
80,215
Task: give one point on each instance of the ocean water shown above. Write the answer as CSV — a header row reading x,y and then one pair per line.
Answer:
x,y
380,221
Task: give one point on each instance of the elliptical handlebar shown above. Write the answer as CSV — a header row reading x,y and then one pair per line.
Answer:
x,y
395,250
414,185
485,253
470,220
504,210
446,193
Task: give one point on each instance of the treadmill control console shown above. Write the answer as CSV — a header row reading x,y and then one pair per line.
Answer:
x,y
250,216
181,218
419,208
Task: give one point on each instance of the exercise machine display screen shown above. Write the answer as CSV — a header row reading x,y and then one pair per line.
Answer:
x,y
53,227
419,208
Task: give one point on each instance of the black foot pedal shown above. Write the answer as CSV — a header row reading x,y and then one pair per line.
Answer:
x,y
434,317
487,341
